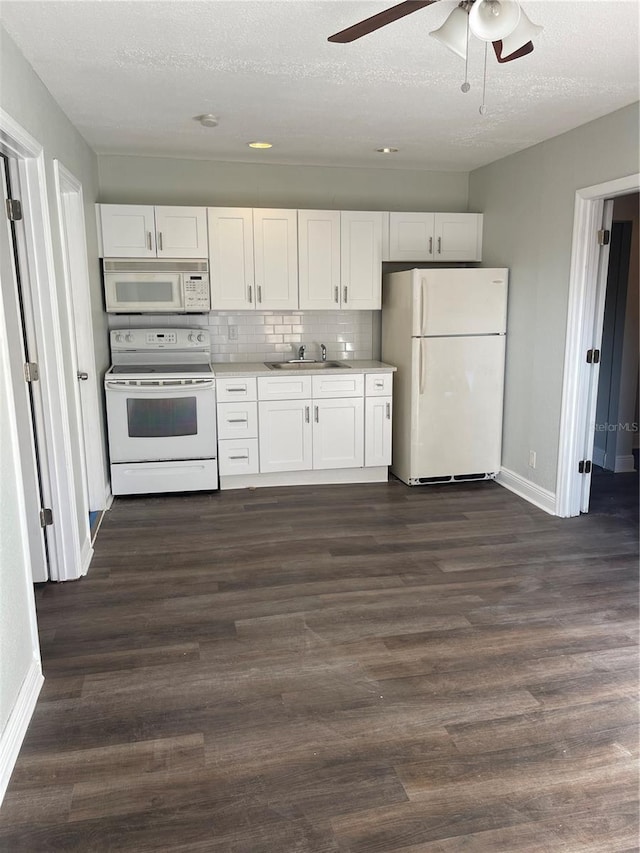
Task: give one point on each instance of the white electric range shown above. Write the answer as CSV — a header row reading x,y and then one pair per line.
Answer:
x,y
161,411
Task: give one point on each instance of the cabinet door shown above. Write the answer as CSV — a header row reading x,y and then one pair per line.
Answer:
x,y
128,231
377,431
458,236
275,246
181,232
338,433
319,259
285,435
411,236
231,258
361,259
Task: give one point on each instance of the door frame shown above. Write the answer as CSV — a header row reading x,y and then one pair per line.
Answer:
x,y
587,287
68,557
70,200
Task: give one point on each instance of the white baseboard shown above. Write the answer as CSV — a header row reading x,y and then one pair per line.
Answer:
x,y
625,464
16,728
536,495
86,556
108,499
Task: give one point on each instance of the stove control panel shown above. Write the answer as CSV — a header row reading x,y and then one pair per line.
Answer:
x,y
148,340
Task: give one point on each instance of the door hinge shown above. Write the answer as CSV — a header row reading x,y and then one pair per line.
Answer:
x,y
593,356
46,517
14,209
604,237
31,372
584,467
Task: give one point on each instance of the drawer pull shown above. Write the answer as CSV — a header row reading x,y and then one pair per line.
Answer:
x,y
379,384
237,420
238,457
239,390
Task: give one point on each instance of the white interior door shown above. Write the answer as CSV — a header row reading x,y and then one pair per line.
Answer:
x,y
21,392
457,422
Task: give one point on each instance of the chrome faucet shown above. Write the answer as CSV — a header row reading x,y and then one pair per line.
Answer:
x,y
323,352
301,352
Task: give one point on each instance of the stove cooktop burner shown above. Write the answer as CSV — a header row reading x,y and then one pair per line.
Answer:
x,y
120,369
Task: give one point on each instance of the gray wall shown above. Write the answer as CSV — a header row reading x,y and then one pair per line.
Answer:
x,y
160,180
25,99
528,205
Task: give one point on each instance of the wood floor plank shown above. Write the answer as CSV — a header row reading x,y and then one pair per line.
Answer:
x,y
339,669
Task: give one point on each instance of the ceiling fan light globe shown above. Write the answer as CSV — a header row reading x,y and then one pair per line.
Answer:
x,y
493,20
453,33
524,32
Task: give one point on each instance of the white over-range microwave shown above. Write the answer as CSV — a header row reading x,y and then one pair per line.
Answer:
x,y
156,287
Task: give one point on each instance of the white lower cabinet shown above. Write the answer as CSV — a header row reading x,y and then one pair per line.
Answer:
x,y
337,422
285,435
338,433
377,431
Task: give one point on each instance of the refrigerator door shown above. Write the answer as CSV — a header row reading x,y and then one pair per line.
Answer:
x,y
459,302
456,415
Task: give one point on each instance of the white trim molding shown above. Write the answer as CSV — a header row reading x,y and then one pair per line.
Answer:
x,y
542,498
16,727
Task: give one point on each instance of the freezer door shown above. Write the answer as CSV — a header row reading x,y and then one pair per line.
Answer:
x,y
459,302
457,413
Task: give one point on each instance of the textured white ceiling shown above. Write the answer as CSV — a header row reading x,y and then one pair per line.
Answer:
x,y
132,74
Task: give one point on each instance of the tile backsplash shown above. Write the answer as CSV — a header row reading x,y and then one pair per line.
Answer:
x,y
269,336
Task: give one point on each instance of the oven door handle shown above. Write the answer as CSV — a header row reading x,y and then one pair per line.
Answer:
x,y
195,385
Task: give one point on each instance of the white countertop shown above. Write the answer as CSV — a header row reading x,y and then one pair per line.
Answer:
x,y
253,368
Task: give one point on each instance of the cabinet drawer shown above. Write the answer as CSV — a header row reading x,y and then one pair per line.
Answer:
x,y
284,387
238,456
238,420
350,385
243,388
378,384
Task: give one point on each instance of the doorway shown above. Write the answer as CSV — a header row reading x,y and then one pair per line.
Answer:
x,y
590,255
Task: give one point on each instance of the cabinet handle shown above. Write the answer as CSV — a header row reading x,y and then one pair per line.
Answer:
x,y
306,414
239,390
259,293
149,244
237,420
238,457
431,245
388,411
316,414
379,384
250,294
345,294
439,245
337,295
160,240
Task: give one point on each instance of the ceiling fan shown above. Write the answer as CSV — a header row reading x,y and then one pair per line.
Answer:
x,y
501,22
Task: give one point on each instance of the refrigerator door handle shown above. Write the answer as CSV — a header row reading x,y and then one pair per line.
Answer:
x,y
423,305
423,365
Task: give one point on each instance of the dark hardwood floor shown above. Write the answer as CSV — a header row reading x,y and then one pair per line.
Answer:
x,y
339,669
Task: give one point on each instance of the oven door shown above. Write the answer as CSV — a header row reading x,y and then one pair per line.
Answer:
x,y
131,292
161,420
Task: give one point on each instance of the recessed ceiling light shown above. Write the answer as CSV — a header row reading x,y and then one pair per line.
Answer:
x,y
259,145
208,120
387,150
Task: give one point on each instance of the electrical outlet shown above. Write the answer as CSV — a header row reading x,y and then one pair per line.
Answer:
x,y
532,459
233,333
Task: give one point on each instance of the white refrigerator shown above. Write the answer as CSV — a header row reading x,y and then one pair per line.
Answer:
x,y
444,329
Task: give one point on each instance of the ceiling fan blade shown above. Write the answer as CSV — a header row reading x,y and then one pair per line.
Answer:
x,y
380,20
522,51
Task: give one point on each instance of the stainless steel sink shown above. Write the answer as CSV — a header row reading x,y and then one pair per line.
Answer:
x,y
306,365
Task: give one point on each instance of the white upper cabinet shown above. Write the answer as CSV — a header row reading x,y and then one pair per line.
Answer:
x,y
435,237
319,259
340,259
361,259
231,258
144,231
275,247
181,232
253,259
